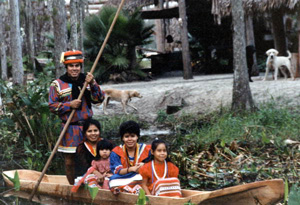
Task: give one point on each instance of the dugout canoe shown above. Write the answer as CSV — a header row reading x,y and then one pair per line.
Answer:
x,y
262,192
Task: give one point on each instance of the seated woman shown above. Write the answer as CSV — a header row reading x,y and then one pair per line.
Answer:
x,y
86,152
160,176
126,160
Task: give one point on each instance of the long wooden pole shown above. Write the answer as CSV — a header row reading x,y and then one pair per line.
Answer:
x,y
79,97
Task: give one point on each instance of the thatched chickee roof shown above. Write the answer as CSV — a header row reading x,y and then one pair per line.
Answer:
x,y
222,8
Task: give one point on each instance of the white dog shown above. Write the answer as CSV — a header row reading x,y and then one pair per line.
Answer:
x,y
278,62
122,96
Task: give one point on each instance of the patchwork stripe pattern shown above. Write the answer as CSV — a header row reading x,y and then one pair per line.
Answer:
x,y
167,187
72,139
60,96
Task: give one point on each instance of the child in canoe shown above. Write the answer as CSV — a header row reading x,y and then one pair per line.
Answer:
x,y
102,163
98,174
160,176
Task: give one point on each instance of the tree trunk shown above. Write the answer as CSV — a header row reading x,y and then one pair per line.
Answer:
x,y
160,30
187,69
50,10
132,57
51,30
298,59
241,95
60,34
16,48
73,21
251,41
2,42
81,17
278,30
87,12
29,33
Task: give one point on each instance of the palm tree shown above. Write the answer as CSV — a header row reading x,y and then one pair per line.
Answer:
x,y
119,55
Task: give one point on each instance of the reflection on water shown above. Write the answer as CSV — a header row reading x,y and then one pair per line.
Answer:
x,y
147,136
155,132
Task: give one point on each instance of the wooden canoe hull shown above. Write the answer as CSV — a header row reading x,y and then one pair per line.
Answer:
x,y
263,192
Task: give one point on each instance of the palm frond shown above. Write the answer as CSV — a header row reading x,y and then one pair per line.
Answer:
x,y
129,31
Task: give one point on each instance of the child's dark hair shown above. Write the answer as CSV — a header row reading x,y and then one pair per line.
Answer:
x,y
101,145
129,127
154,146
89,122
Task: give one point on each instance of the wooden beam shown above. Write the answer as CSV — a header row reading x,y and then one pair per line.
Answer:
x,y
97,1
161,14
148,49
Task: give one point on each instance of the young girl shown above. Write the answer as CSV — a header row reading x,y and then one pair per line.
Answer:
x,y
102,163
99,173
160,176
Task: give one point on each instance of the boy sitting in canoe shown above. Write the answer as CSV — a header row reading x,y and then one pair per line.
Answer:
x,y
160,175
126,160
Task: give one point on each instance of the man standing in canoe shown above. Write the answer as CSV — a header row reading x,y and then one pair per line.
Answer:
x,y
63,96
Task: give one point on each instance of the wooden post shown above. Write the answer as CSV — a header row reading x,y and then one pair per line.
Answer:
x,y
187,69
278,32
295,64
250,40
160,30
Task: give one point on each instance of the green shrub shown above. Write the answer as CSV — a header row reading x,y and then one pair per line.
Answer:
x,y
206,147
27,108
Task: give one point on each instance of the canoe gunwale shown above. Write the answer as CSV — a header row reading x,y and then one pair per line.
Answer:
x,y
276,186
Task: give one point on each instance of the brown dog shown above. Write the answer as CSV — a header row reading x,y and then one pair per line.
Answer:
x,y
122,96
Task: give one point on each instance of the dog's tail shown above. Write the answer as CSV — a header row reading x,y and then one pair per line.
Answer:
x,y
289,55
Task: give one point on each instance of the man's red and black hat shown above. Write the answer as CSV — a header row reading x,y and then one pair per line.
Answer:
x,y
71,57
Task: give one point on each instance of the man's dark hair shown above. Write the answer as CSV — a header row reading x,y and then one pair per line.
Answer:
x,y
129,127
66,65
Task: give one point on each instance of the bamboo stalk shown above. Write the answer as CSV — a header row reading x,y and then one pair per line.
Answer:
x,y
79,97
27,121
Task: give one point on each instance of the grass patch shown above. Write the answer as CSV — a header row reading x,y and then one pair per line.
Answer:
x,y
268,122
224,149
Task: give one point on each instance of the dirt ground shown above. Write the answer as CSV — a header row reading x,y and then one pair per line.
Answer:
x,y
202,94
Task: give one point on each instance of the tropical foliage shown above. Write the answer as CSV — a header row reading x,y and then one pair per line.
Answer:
x,y
119,55
27,121
15,180
142,199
